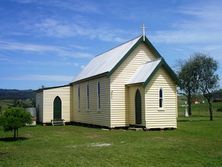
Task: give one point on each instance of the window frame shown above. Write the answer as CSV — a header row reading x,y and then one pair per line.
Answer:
x,y
161,99
87,97
78,94
98,96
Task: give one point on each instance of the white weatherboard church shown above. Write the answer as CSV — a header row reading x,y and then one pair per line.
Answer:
x,y
130,84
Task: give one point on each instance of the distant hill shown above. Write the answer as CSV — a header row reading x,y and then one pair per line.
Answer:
x,y
16,94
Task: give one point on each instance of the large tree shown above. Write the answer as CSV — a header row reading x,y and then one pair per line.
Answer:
x,y
188,84
207,77
14,118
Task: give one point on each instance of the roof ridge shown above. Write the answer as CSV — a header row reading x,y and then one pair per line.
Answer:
x,y
116,46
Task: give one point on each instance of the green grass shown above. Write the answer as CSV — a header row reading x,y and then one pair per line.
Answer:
x,y
5,104
197,142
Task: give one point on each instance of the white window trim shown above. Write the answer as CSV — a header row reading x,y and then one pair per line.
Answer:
x,y
161,108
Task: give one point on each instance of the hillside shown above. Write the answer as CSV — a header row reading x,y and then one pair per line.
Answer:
x,y
16,94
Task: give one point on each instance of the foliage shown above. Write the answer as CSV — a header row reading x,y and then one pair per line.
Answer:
x,y
1,111
207,79
217,94
197,75
6,103
15,118
187,77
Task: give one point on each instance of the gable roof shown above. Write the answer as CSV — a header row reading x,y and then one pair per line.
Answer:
x,y
144,73
108,62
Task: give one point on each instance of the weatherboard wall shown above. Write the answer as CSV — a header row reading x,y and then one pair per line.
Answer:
x,y
164,117
119,78
39,106
48,99
93,115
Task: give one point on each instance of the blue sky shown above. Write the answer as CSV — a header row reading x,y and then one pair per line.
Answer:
x,y
48,42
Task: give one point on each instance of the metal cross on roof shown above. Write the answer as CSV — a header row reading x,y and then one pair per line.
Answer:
x,y
143,31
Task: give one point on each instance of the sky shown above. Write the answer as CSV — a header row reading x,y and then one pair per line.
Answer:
x,y
48,42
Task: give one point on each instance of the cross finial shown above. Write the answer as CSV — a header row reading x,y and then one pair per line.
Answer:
x,y
143,31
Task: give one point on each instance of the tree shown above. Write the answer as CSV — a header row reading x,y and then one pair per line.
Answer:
x,y
15,118
187,77
0,110
207,79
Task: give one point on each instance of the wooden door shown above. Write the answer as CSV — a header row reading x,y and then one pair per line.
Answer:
x,y
138,107
57,107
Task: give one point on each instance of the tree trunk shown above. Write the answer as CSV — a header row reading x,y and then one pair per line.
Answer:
x,y
189,102
14,136
210,110
17,134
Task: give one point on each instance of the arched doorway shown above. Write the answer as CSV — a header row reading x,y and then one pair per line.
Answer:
x,y
138,107
57,108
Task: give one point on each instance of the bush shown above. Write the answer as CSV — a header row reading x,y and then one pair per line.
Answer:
x,y
15,118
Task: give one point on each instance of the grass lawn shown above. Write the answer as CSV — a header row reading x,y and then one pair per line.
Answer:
x,y
196,142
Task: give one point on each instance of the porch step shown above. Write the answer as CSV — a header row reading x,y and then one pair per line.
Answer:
x,y
135,128
58,122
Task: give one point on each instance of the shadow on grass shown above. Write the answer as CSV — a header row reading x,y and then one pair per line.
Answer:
x,y
11,139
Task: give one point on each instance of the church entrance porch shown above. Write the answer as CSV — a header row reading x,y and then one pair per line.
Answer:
x,y
135,105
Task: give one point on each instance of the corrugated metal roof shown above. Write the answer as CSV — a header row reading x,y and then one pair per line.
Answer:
x,y
106,61
144,72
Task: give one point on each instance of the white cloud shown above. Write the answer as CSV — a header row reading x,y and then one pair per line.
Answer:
x,y
200,30
30,47
73,5
34,77
62,29
186,37
201,24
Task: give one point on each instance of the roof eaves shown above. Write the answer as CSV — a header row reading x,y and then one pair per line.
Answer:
x,y
89,78
167,67
153,49
137,83
53,87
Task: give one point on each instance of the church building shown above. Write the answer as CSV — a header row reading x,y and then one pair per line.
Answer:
x,y
129,85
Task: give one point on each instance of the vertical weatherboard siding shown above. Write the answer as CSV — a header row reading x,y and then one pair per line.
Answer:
x,y
164,117
48,98
93,115
118,93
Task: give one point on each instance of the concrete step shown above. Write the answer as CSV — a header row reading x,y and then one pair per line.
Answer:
x,y
135,128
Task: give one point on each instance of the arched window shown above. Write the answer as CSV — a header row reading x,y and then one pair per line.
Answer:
x,y
78,97
161,98
98,95
87,96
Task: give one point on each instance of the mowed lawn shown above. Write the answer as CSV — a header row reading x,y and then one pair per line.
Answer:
x,y
196,142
